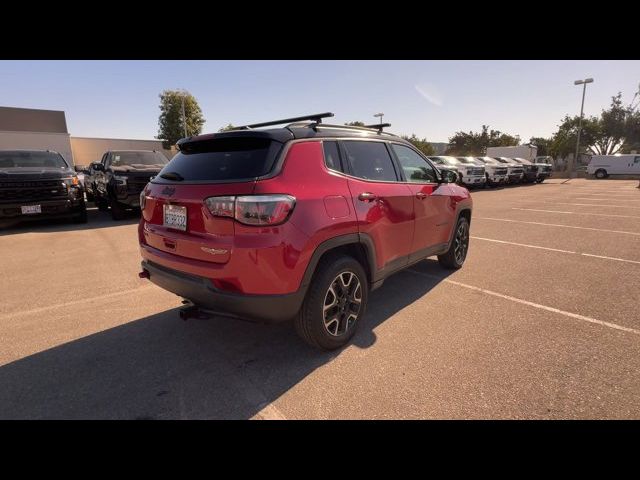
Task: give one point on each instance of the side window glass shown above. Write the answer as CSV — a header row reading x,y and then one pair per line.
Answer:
x,y
331,156
415,168
370,161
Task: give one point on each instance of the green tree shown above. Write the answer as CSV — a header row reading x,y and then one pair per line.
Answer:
x,y
357,123
543,144
421,144
227,128
616,130
476,143
171,123
564,140
632,137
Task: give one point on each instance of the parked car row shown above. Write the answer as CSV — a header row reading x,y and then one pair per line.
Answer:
x,y
39,183
42,184
115,182
493,171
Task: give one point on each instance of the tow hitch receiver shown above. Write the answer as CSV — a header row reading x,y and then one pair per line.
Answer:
x,y
192,311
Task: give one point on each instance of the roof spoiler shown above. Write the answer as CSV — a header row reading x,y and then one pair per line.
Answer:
x,y
317,118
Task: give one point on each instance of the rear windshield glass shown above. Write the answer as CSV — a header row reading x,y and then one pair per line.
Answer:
x,y
223,159
138,159
31,160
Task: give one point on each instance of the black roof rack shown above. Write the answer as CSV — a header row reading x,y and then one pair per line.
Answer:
x,y
378,126
317,118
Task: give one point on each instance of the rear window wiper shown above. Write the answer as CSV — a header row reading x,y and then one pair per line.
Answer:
x,y
172,176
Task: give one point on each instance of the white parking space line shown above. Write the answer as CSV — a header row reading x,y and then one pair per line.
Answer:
x,y
555,250
558,225
616,195
537,201
269,412
522,244
604,199
576,316
609,258
592,205
576,213
74,302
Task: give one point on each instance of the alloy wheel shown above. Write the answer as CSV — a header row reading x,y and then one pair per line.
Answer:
x,y
342,303
461,244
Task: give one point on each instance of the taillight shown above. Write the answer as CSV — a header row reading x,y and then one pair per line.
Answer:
x,y
143,197
253,209
221,206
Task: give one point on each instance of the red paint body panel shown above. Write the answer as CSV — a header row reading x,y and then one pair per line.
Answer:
x,y
388,219
272,260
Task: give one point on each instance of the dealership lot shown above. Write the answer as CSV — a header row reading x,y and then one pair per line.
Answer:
x,y
543,321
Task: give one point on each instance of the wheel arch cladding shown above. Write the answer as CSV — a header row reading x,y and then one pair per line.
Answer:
x,y
350,245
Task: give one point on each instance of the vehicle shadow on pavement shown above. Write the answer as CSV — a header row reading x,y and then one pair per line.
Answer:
x,y
96,219
160,367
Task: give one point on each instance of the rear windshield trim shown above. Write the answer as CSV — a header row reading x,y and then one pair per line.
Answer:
x,y
275,170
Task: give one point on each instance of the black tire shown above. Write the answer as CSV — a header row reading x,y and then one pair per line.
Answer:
x,y
311,323
540,180
90,197
102,204
457,253
118,212
81,217
601,173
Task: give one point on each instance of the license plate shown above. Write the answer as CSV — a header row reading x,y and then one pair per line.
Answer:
x,y
175,216
31,209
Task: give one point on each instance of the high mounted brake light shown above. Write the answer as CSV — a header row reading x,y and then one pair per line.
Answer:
x,y
258,210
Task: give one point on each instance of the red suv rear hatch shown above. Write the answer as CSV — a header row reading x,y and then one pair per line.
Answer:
x,y
177,218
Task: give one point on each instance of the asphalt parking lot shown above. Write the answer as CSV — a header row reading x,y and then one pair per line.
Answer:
x,y
543,321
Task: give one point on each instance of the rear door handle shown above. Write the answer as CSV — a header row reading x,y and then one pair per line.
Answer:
x,y
367,196
421,195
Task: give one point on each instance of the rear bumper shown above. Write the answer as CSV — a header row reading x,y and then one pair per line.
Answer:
x,y
50,209
201,292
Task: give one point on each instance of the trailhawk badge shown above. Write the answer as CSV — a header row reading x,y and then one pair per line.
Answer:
x,y
214,251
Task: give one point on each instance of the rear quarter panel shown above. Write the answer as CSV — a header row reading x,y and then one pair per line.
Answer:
x,y
323,203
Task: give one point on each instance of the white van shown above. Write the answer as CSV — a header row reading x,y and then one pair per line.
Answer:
x,y
604,165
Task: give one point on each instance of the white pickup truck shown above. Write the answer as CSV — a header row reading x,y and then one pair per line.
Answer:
x,y
495,172
469,173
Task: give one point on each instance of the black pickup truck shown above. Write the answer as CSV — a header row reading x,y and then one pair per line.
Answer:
x,y
121,175
39,184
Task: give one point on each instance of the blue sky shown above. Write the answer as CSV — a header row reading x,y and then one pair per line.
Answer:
x,y
433,99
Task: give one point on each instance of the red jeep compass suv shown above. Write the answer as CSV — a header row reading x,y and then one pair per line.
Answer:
x,y
299,222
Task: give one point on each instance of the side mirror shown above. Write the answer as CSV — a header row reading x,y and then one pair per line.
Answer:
x,y
449,176
98,167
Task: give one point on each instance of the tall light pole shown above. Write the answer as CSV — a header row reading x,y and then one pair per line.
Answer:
x,y
379,115
183,94
584,90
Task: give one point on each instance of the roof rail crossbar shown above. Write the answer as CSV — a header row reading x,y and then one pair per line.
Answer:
x,y
378,126
317,118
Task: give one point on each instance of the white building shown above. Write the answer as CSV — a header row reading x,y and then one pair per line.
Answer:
x,y
26,128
